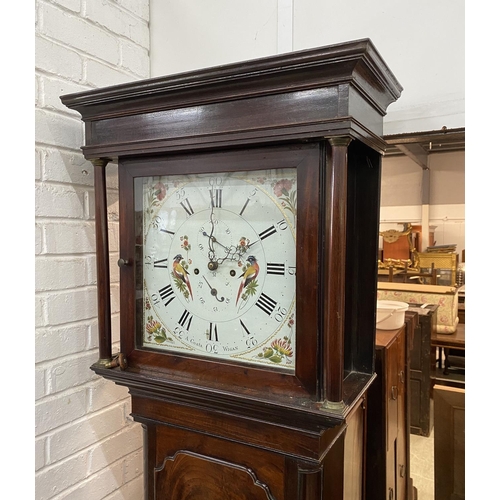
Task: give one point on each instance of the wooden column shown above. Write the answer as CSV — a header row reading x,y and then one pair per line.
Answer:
x,y
310,481
334,273
102,260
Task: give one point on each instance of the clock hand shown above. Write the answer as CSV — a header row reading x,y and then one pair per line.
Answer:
x,y
213,291
213,260
211,250
232,252
215,240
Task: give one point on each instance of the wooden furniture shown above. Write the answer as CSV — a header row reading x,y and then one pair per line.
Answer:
x,y
388,428
397,245
445,264
454,353
417,233
400,245
454,340
445,296
392,274
231,415
449,442
420,387
461,304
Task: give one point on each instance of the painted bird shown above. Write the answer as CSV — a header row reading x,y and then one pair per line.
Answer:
x,y
181,273
249,275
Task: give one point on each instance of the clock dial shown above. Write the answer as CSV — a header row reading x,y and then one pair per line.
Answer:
x,y
219,261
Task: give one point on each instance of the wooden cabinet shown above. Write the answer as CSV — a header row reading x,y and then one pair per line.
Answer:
x,y
420,369
449,443
400,245
417,232
398,248
388,472
200,455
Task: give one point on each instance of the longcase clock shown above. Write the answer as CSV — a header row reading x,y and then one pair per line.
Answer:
x,y
249,202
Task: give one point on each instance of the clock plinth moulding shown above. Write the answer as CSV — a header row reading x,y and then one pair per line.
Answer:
x,y
248,384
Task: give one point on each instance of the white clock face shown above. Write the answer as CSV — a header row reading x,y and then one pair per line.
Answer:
x,y
219,263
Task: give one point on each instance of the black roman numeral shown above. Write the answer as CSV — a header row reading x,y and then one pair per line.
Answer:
x,y
276,268
161,263
185,320
266,303
245,206
167,295
268,232
171,233
187,207
213,334
217,200
244,327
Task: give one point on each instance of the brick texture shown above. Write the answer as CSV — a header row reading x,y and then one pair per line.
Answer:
x,y
86,444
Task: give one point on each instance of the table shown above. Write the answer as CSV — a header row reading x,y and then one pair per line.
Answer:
x,y
455,340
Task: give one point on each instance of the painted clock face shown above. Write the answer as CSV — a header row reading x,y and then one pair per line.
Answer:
x,y
219,265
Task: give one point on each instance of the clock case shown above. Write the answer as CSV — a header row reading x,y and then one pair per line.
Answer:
x,y
320,111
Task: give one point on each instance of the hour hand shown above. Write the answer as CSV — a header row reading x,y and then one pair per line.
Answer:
x,y
213,239
214,261
233,253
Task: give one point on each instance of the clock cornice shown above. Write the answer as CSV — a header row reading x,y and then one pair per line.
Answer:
x,y
192,109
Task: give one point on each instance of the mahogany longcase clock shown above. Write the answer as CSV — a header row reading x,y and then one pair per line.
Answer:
x,y
249,202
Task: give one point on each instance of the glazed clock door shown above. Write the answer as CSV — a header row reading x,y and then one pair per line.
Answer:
x,y
214,244
219,263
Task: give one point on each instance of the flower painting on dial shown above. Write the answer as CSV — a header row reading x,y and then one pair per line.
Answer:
x,y
218,258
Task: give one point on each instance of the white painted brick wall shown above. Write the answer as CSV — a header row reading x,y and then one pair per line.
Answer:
x,y
86,444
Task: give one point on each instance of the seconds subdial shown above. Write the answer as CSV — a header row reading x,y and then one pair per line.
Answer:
x,y
213,291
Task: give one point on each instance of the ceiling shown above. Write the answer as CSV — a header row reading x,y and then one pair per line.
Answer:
x,y
419,145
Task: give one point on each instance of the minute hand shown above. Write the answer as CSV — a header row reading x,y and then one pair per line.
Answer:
x,y
214,240
253,243
232,252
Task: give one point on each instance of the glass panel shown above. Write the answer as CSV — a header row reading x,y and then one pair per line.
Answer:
x,y
216,265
